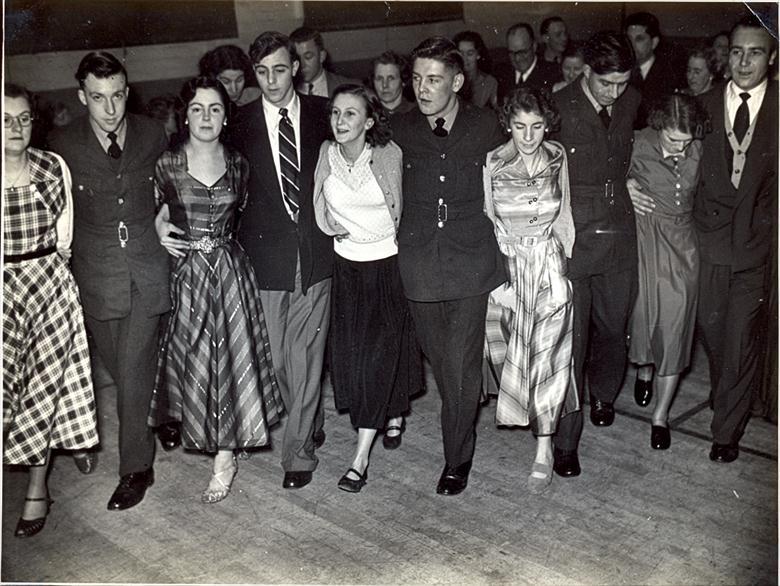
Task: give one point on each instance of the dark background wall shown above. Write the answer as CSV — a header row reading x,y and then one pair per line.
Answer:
x,y
161,42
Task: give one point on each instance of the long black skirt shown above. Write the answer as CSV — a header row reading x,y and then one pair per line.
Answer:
x,y
375,360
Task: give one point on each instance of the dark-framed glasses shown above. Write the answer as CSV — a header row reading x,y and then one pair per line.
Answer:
x,y
24,119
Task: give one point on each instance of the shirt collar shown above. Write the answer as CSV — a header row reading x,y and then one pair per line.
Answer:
x,y
644,68
757,93
525,74
591,98
272,115
102,135
449,119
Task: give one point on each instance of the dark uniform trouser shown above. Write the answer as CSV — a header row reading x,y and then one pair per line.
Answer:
x,y
128,348
452,336
602,306
731,307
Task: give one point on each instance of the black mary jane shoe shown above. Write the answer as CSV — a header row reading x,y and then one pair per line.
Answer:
x,y
350,485
643,392
391,442
660,438
28,528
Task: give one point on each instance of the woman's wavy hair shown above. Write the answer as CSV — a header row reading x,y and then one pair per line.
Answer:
x,y
528,99
379,134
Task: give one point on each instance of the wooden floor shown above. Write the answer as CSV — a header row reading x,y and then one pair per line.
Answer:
x,y
635,515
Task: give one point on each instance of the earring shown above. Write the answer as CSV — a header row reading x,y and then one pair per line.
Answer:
x,y
186,123
224,123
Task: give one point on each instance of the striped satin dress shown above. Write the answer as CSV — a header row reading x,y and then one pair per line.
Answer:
x,y
48,399
529,320
215,373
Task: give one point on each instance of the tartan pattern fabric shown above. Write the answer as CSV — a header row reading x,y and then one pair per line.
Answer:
x,y
28,213
215,373
529,323
48,398
288,162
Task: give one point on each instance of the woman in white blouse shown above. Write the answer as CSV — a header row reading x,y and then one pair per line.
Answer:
x,y
375,362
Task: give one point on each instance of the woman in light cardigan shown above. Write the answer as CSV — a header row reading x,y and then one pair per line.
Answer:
x,y
375,362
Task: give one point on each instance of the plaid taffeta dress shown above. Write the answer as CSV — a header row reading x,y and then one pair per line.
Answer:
x,y
215,373
48,398
529,321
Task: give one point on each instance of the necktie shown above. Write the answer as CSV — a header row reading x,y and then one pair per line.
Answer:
x,y
742,119
310,87
605,117
288,162
440,130
114,150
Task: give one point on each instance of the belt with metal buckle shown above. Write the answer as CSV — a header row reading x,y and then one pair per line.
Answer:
x,y
207,244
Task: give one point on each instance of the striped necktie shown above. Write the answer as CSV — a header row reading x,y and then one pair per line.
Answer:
x,y
288,163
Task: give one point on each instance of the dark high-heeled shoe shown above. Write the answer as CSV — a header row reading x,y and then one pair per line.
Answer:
x,y
350,485
30,527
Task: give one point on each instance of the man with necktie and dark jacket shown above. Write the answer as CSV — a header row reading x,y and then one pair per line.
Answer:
x,y
447,253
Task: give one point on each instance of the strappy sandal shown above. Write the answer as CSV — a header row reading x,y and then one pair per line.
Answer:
x,y
219,484
537,485
28,528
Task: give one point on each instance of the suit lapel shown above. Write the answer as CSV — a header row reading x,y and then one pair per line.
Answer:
x,y
92,150
264,163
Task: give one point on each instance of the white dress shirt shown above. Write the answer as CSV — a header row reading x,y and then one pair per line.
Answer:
x,y
272,119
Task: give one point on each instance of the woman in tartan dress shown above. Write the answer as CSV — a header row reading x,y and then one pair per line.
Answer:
x,y
529,319
215,373
48,399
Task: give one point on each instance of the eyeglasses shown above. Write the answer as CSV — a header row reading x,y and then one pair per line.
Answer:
x,y
24,119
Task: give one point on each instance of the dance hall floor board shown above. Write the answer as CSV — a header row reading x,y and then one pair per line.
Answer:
x,y
634,516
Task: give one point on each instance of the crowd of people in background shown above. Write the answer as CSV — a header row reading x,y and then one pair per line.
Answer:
x,y
529,229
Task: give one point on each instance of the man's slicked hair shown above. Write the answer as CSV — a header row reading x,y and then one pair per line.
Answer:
x,y
609,52
101,64
270,42
304,34
440,49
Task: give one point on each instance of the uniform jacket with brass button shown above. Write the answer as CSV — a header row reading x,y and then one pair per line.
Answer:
x,y
447,250
599,160
107,192
386,163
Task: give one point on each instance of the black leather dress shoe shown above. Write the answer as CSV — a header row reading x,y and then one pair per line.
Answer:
x,y
660,438
169,435
319,438
566,464
454,479
723,453
87,462
643,392
131,490
296,479
602,413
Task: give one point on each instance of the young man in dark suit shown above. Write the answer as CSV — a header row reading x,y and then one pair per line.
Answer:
x,y
597,121
655,73
736,213
119,265
293,260
526,67
447,253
